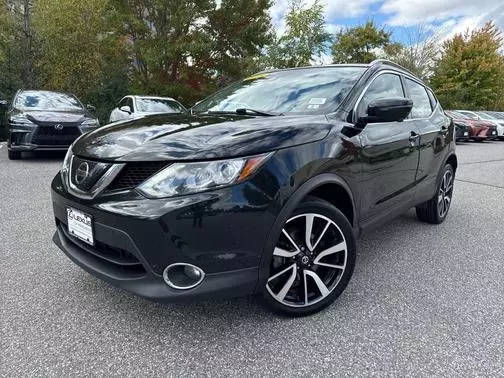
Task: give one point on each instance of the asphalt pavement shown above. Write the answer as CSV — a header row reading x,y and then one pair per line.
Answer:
x,y
424,300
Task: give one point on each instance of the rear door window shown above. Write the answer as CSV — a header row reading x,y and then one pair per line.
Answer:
x,y
421,102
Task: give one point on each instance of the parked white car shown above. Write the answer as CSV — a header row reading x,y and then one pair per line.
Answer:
x,y
483,116
131,107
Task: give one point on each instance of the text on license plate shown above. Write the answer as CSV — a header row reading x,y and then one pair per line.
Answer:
x,y
80,225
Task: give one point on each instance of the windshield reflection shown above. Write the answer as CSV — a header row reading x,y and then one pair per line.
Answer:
x,y
317,90
45,100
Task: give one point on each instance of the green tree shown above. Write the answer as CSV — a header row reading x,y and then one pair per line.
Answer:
x,y
470,72
184,48
305,38
80,51
237,31
361,44
18,50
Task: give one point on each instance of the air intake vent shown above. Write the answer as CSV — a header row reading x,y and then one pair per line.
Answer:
x,y
133,174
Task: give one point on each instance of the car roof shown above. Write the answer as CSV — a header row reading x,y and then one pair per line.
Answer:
x,y
375,64
317,67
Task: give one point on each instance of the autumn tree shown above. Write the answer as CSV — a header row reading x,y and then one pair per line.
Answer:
x,y
305,39
80,50
183,48
361,44
470,72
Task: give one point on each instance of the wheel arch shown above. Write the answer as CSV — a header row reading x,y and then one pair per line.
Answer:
x,y
317,186
452,160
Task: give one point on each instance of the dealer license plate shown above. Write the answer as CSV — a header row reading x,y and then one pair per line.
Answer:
x,y
80,225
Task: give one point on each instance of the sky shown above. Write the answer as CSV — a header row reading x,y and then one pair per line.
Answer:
x,y
444,17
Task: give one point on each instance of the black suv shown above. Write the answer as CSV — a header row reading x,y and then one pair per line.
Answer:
x,y
45,120
261,188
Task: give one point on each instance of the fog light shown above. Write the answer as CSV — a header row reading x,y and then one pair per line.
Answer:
x,y
183,276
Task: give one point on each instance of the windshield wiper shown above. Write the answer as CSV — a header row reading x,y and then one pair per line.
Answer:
x,y
244,111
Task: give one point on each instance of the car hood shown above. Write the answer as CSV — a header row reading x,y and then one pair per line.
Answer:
x,y
198,137
41,116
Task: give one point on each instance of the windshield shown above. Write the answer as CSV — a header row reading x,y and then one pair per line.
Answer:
x,y
158,105
498,115
41,100
486,115
454,114
469,115
302,91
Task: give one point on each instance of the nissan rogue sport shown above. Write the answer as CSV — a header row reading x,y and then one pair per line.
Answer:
x,y
262,187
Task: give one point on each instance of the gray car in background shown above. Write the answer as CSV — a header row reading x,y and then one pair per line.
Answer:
x,y
46,120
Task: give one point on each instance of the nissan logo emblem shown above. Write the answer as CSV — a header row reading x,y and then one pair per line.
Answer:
x,y
81,173
58,127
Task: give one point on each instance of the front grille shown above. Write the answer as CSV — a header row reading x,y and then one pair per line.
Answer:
x,y
116,259
133,174
84,174
50,136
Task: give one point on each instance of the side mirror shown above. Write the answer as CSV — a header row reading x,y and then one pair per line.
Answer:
x,y
91,108
125,109
393,109
4,103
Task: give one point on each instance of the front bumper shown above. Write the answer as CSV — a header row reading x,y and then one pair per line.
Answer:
x,y
34,147
43,138
223,232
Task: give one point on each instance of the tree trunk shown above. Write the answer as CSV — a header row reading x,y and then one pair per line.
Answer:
x,y
28,81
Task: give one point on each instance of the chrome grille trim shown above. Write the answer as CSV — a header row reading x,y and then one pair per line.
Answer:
x,y
100,185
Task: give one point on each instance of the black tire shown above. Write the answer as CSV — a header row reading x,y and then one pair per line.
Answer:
x,y
430,211
14,155
326,212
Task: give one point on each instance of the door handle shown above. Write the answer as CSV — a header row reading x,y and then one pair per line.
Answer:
x,y
414,137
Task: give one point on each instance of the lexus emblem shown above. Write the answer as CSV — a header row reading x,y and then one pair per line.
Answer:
x,y
58,127
81,173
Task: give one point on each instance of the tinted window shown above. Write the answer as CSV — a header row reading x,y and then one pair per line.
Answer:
x,y
158,105
386,85
421,102
432,99
43,100
304,91
126,102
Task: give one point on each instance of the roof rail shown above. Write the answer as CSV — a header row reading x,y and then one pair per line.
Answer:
x,y
390,63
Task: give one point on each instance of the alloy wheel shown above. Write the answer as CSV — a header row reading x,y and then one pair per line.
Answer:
x,y
445,193
308,261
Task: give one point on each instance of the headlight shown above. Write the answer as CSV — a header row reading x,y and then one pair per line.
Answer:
x,y
21,120
65,168
186,178
90,122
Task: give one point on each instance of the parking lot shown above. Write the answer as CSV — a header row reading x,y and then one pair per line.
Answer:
x,y
424,300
